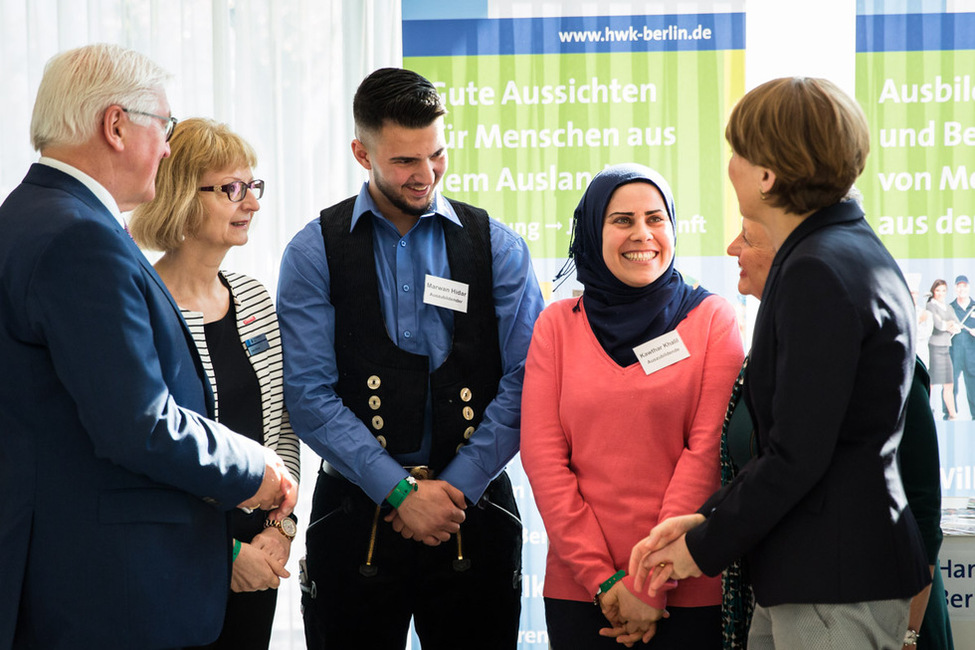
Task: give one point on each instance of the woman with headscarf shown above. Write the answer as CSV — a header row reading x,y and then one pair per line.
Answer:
x,y
625,390
820,515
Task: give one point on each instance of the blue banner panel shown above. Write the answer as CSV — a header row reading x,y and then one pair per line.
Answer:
x,y
915,32
573,35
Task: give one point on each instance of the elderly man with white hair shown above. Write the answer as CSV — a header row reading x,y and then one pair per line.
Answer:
x,y
113,521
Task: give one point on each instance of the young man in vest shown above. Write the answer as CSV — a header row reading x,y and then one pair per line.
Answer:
x,y
406,319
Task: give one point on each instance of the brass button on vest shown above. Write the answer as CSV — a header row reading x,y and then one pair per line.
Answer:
x,y
468,413
374,382
382,441
465,394
468,432
377,422
375,402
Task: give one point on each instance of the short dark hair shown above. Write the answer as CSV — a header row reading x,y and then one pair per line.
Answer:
x,y
395,95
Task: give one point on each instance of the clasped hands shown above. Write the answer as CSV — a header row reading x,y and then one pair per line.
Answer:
x,y
430,514
260,564
630,618
663,556
278,491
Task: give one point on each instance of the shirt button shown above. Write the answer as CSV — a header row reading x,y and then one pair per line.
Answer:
x,y
407,334
406,287
402,242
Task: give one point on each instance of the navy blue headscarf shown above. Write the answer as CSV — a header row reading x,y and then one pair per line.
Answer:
x,y
622,316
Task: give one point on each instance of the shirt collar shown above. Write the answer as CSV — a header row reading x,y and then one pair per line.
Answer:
x,y
96,188
365,203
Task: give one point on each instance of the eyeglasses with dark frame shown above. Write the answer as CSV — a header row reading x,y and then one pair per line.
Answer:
x,y
170,121
237,190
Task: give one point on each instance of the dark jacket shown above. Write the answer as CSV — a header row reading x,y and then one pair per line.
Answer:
x,y
110,531
820,514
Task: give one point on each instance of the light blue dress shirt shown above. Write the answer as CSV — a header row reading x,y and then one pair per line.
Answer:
x,y
307,322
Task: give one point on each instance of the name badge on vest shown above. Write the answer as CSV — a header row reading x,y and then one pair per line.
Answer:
x,y
441,292
663,351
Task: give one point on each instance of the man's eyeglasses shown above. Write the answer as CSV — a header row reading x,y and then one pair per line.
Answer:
x,y
237,190
170,121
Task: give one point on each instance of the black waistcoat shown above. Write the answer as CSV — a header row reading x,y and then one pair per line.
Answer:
x,y
385,386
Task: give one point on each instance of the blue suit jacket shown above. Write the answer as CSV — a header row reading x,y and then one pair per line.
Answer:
x,y
820,513
113,490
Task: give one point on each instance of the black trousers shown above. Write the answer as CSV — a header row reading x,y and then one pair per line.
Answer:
x,y
248,621
472,603
573,625
250,616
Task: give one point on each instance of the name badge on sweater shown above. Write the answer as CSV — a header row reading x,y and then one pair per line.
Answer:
x,y
663,351
441,292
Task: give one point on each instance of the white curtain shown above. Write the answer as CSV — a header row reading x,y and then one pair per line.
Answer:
x,y
280,72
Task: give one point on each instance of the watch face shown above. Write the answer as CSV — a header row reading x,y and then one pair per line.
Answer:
x,y
288,526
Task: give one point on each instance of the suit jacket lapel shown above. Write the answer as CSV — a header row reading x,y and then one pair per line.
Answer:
x,y
48,176
151,272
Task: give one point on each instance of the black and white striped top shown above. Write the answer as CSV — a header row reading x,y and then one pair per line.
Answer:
x,y
256,317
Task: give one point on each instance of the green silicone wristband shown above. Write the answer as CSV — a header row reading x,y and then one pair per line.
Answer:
x,y
236,549
606,586
401,491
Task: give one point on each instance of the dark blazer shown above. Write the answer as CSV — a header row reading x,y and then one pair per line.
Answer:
x,y
113,527
820,514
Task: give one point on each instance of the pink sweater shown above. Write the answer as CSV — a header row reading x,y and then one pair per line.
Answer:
x,y
611,451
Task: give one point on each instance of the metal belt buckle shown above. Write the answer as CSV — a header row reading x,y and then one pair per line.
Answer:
x,y
419,472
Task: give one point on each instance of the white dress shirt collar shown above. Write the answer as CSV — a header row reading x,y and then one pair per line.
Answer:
x,y
96,188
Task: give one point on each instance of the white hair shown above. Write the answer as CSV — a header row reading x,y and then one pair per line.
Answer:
x,y
79,84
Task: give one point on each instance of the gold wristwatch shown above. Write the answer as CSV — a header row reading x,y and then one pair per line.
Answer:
x,y
286,527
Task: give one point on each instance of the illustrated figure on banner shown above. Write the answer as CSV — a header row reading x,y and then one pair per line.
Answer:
x,y
963,346
944,328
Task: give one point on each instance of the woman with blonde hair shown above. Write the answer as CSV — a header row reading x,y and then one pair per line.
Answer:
x,y
206,199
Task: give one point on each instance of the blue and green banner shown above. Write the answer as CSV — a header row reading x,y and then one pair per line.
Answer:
x,y
915,79
916,83
538,105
